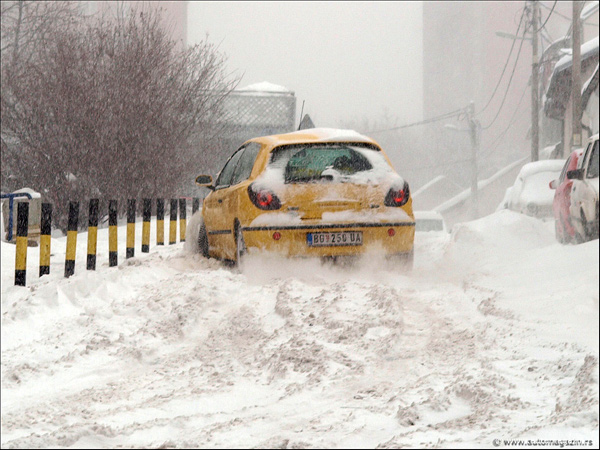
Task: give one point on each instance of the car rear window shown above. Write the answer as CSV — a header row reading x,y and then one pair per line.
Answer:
x,y
327,163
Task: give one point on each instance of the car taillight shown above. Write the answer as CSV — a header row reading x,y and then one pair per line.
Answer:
x,y
263,198
397,196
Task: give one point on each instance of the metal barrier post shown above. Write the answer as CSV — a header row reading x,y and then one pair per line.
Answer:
x,y
45,232
182,218
130,249
160,221
173,224
146,213
71,239
92,234
21,250
112,234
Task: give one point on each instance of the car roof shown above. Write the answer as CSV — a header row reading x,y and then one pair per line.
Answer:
x,y
315,135
547,165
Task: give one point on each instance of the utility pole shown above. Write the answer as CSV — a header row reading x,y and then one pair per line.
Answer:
x,y
535,101
576,76
474,128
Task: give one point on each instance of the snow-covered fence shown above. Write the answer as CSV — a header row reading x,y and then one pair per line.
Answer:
x,y
92,228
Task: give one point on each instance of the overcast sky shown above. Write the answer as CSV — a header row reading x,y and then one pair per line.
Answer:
x,y
346,60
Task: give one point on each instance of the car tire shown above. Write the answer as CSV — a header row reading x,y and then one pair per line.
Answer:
x,y
203,241
198,241
585,226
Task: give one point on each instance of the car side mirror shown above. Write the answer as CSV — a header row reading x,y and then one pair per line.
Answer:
x,y
552,184
205,181
575,174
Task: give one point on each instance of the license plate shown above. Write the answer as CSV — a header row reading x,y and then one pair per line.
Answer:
x,y
334,238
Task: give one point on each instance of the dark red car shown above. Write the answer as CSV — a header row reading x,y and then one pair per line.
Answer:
x,y
565,233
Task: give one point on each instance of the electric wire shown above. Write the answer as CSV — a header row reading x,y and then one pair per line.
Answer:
x,y
505,66
549,15
556,12
509,83
498,139
422,122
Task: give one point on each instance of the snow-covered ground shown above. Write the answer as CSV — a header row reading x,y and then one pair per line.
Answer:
x,y
494,335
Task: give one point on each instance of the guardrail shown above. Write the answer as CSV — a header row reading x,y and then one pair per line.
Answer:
x,y
46,227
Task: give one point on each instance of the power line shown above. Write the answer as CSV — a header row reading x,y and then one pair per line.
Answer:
x,y
433,119
556,12
510,124
505,65
551,11
509,81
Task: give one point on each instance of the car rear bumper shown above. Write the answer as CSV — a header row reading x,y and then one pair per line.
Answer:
x,y
292,240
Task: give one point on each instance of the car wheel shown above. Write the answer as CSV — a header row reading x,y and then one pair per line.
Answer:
x,y
240,245
585,226
195,228
203,241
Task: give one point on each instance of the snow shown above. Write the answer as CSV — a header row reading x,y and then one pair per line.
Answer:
x,y
481,184
265,86
332,135
493,335
590,9
587,49
26,190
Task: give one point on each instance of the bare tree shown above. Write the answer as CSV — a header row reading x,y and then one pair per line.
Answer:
x,y
111,109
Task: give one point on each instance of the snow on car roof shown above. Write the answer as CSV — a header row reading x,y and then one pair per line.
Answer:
x,y
547,165
317,135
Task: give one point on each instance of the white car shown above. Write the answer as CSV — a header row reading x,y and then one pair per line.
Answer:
x,y
531,193
429,221
584,193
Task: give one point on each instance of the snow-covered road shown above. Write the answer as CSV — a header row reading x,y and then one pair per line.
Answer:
x,y
494,335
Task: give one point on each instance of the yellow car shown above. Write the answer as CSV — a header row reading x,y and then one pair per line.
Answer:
x,y
315,193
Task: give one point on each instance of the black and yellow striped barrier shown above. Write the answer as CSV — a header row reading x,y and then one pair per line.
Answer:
x,y
130,248
92,234
173,224
45,232
160,221
146,214
21,243
182,218
71,239
176,205
112,233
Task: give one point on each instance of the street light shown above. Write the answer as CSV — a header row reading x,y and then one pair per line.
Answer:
x,y
511,36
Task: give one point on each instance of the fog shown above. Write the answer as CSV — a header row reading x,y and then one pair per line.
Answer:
x,y
375,67
344,60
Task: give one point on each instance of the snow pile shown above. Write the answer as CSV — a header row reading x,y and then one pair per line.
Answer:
x,y
494,335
